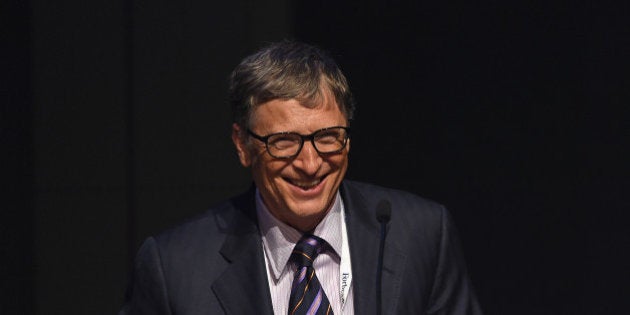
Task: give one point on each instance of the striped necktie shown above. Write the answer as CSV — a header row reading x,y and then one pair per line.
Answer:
x,y
307,294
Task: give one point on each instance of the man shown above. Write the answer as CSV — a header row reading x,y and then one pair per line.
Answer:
x,y
302,239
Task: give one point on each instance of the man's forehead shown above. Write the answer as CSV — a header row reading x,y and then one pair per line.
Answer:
x,y
323,98
291,115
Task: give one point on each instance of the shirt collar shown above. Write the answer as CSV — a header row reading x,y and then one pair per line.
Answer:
x,y
279,239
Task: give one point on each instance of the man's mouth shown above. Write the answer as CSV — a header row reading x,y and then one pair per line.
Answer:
x,y
305,184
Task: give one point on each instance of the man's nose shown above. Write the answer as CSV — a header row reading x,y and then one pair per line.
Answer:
x,y
308,160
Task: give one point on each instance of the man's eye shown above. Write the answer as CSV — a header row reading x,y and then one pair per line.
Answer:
x,y
283,142
329,136
328,139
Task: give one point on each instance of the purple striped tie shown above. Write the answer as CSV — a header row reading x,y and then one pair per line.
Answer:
x,y
307,295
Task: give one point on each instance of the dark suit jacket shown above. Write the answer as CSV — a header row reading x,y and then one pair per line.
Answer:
x,y
215,265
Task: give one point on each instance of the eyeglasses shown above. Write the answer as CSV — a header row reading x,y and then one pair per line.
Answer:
x,y
286,145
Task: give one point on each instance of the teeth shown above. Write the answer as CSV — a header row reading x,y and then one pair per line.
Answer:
x,y
305,184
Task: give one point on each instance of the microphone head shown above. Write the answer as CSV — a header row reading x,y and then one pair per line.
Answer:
x,y
383,211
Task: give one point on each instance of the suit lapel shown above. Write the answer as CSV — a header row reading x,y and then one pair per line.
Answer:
x,y
363,235
243,287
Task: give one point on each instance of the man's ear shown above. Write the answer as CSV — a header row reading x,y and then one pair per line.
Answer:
x,y
238,138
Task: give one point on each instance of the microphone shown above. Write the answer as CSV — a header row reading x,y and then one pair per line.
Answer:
x,y
383,211
383,214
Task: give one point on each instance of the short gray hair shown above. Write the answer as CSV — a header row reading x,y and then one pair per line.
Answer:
x,y
287,70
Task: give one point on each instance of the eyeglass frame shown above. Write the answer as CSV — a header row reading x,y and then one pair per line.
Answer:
x,y
303,138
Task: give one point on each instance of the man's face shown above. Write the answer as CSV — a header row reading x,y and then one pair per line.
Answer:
x,y
298,191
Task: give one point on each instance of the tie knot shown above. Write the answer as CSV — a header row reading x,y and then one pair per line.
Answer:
x,y
306,250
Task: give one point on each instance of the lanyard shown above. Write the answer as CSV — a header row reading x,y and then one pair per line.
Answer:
x,y
345,269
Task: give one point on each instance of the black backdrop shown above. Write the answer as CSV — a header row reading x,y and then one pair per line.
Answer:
x,y
514,115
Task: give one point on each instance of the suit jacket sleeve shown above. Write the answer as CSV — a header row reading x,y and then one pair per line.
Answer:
x,y
452,292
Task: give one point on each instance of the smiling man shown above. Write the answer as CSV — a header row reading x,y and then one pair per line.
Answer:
x,y
297,179
302,240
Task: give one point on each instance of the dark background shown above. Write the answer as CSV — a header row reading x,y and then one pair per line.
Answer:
x,y
514,115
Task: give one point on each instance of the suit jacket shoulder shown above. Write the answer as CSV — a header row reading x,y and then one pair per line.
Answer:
x,y
206,265
424,269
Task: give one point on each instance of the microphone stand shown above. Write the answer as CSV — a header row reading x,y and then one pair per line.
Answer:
x,y
383,214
